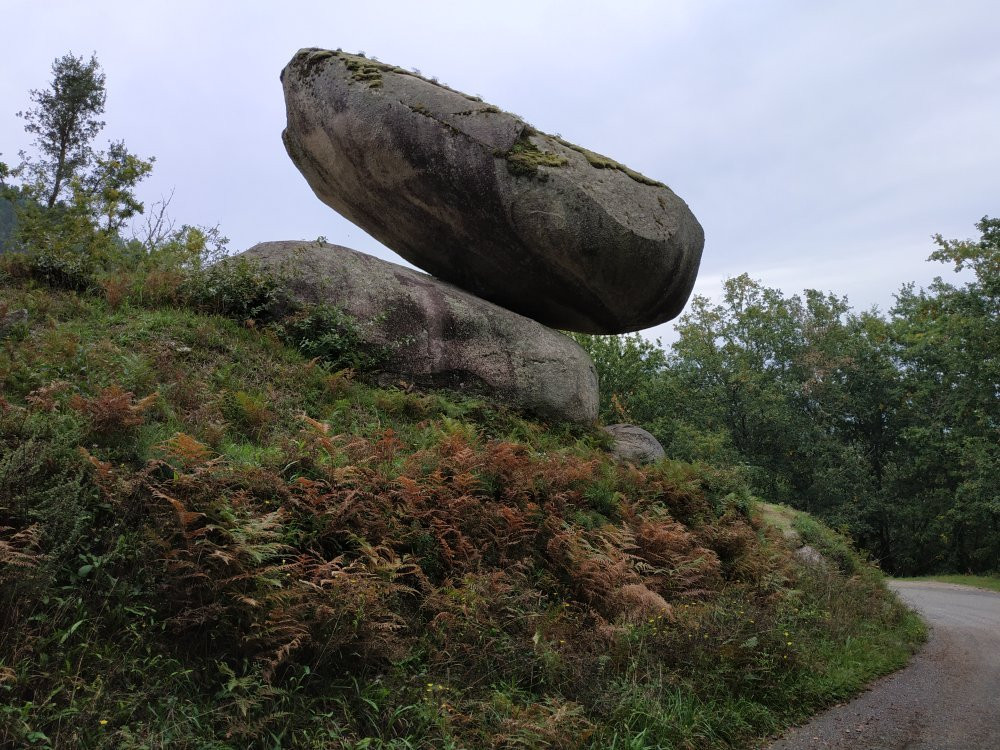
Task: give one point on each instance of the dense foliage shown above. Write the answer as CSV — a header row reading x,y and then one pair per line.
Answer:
x,y
209,539
886,426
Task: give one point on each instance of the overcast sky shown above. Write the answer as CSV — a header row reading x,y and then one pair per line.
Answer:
x,y
819,144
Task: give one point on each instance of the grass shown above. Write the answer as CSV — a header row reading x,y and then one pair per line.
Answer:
x,y
990,583
780,517
214,533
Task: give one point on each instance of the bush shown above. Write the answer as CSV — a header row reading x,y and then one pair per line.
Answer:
x,y
237,288
326,333
833,546
66,270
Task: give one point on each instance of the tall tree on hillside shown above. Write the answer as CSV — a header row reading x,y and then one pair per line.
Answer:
x,y
736,361
949,344
64,121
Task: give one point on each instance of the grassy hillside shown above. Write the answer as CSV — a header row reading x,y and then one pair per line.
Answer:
x,y
211,540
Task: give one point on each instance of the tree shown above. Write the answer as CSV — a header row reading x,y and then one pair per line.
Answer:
x,y
626,366
737,363
64,121
948,339
888,428
112,183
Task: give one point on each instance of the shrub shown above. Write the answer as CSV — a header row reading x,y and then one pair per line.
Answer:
x,y
326,333
833,546
64,270
237,288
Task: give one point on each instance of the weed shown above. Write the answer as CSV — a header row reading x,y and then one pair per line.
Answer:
x,y
115,290
113,411
249,413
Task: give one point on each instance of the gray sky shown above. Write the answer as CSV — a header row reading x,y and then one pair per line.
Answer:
x,y
819,144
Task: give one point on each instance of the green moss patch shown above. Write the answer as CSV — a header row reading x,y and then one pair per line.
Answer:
x,y
603,162
524,157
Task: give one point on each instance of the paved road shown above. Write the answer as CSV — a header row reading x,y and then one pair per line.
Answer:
x,y
948,698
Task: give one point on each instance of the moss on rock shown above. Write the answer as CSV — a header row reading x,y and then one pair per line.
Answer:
x,y
600,161
524,157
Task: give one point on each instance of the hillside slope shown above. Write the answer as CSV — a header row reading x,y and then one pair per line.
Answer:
x,y
210,540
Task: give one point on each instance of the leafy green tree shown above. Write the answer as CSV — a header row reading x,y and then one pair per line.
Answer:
x,y
888,428
736,361
65,121
74,202
6,207
850,385
626,366
948,338
112,183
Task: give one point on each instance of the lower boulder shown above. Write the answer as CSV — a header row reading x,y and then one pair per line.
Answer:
x,y
436,335
634,444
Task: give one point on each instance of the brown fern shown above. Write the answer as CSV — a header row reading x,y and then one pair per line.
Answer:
x,y
113,409
44,398
19,551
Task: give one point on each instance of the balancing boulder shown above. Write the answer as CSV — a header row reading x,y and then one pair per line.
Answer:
x,y
477,197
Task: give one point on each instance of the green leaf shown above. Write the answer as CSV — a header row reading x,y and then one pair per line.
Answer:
x,y
73,628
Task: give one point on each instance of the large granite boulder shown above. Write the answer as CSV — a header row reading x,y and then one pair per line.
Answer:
x,y
479,198
438,335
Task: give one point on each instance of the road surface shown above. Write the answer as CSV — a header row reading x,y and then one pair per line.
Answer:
x,y
948,698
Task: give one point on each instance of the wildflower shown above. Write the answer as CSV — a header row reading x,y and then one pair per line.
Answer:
x,y
102,722
789,643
